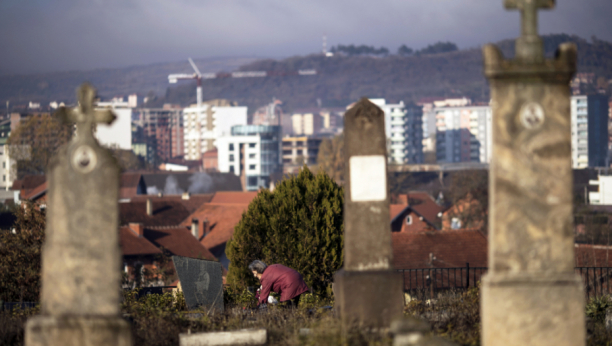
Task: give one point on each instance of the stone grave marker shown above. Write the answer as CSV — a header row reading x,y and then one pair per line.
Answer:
x,y
81,259
201,282
367,290
531,295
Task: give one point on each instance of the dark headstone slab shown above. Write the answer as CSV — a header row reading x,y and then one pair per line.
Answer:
x,y
201,282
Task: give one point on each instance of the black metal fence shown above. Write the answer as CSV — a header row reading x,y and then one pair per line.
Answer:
x,y
425,283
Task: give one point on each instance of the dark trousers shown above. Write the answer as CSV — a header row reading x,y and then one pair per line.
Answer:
x,y
292,303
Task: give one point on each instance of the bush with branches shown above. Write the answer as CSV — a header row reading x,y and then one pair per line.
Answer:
x,y
299,225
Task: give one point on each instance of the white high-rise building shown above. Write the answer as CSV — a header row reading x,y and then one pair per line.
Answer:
x,y
463,134
404,131
119,133
202,127
252,152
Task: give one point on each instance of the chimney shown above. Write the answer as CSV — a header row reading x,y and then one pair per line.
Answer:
x,y
138,228
194,228
185,196
205,227
149,207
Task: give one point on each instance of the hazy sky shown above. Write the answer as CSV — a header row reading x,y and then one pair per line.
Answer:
x,y
59,35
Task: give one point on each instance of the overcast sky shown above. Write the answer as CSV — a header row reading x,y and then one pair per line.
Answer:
x,y
60,35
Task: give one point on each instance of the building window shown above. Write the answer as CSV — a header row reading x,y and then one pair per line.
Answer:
x,y
251,156
231,147
252,167
252,145
455,223
408,220
231,169
252,181
231,158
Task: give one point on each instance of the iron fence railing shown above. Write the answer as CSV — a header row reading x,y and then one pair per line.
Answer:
x,y
426,282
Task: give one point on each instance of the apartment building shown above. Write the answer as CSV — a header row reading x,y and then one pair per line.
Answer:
x,y
252,152
589,120
404,131
301,150
203,127
463,133
164,126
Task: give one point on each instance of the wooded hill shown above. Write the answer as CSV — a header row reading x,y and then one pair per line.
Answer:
x,y
340,81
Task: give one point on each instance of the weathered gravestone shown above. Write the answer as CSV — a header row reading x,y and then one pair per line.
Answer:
x,y
81,257
367,291
201,282
531,295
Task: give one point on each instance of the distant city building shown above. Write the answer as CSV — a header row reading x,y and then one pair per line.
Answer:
x,y
203,127
210,160
463,134
143,145
604,194
404,130
252,152
133,101
589,116
164,126
307,121
118,134
429,122
301,150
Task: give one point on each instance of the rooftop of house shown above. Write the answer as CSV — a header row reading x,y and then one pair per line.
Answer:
x,y
439,249
35,193
179,241
222,218
29,182
593,255
133,245
423,204
167,210
234,197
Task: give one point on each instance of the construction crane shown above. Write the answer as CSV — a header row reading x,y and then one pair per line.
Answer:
x,y
173,78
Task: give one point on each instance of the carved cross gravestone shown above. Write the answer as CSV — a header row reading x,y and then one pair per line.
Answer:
x,y
367,290
81,257
531,295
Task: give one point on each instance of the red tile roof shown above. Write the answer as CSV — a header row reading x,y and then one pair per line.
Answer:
x,y
396,209
234,197
133,245
29,182
593,255
222,218
425,205
130,179
449,249
35,193
179,241
167,210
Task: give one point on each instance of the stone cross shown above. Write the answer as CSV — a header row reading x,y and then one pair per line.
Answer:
x,y
531,295
81,259
529,45
367,290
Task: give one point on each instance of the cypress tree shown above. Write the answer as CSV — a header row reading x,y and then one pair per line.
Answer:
x,y
299,225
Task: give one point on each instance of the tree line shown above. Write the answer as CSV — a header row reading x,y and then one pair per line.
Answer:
x,y
403,50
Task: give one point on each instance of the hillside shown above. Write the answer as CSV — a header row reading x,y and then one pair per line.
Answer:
x,y
61,86
340,81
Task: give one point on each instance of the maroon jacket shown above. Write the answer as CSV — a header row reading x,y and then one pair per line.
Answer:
x,y
283,280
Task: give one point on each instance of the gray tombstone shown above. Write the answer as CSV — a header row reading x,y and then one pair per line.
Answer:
x,y
368,291
531,295
81,258
201,282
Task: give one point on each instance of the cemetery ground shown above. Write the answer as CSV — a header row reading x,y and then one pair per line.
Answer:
x,y
159,319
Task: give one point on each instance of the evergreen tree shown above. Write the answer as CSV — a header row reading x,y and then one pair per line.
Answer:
x,y
299,225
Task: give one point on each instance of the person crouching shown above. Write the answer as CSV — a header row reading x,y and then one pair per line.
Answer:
x,y
280,279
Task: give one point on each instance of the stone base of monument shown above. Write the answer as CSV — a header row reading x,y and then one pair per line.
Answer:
x,y
77,331
541,309
368,298
238,337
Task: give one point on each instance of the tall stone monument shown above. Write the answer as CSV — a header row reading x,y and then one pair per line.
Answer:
x,y
531,295
367,290
81,257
